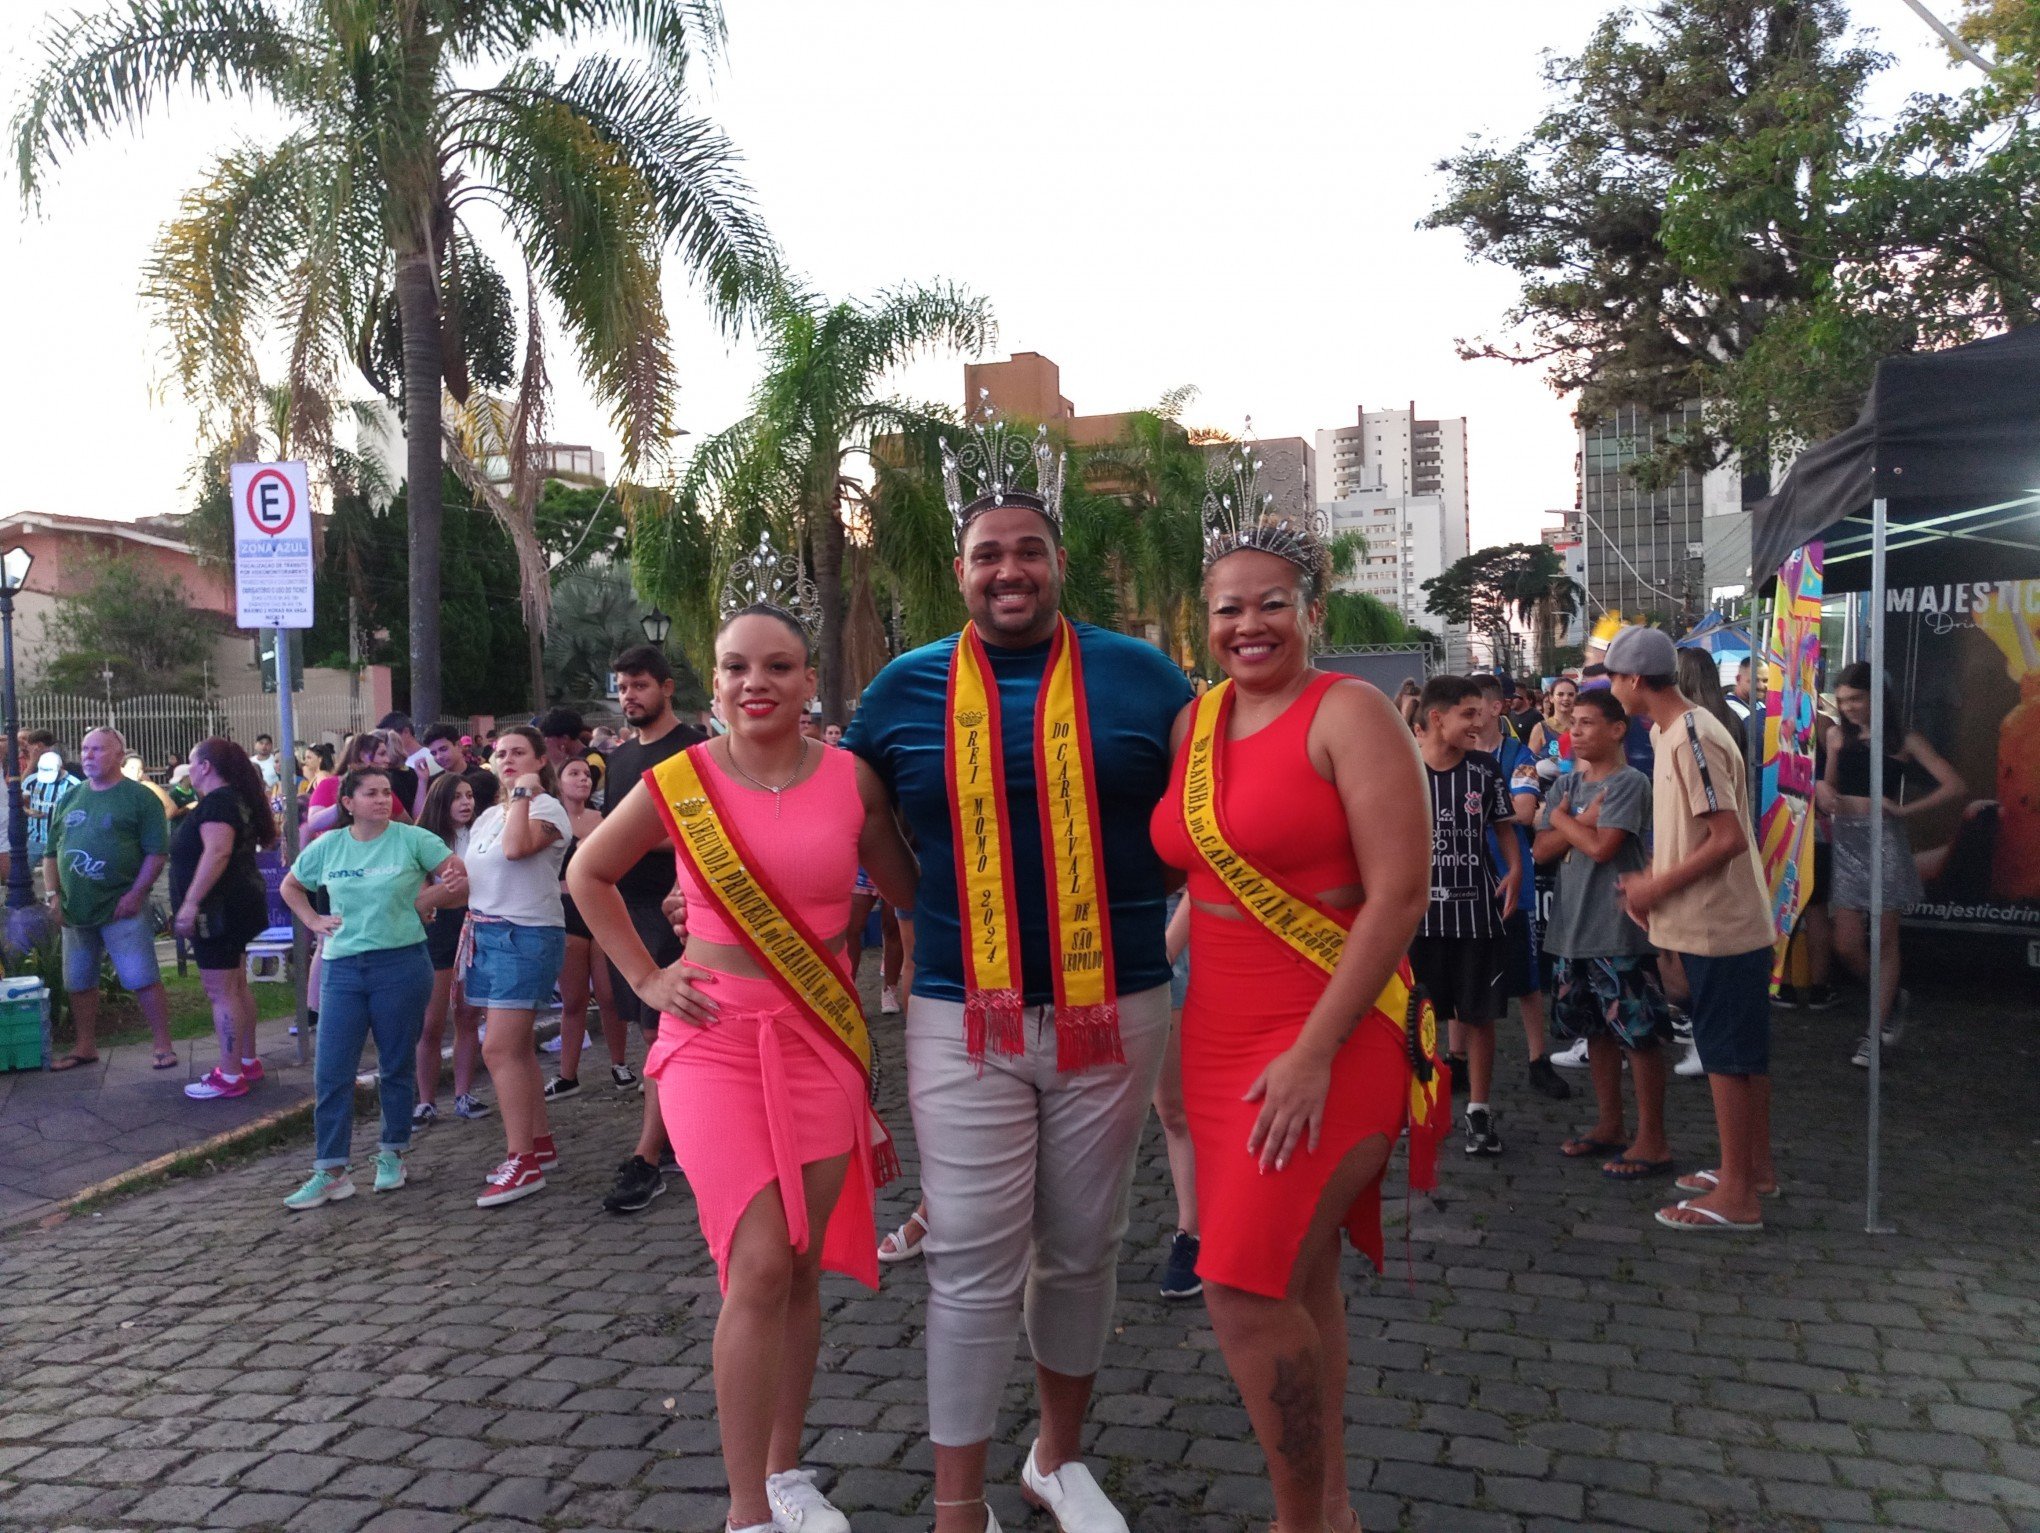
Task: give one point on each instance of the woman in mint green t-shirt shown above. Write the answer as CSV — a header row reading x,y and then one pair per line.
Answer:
x,y
377,975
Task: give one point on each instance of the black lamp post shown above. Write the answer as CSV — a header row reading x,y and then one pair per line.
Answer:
x,y
20,893
656,626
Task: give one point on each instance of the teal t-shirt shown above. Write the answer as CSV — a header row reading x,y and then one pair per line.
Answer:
x,y
100,837
372,886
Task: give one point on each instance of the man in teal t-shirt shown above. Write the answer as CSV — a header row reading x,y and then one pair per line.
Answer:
x,y
107,845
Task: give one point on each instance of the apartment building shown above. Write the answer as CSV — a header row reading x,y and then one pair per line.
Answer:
x,y
1402,452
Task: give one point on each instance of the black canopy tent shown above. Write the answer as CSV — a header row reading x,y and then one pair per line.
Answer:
x,y
1942,465
1950,440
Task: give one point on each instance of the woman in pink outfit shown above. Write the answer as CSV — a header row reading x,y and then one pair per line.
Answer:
x,y
757,1096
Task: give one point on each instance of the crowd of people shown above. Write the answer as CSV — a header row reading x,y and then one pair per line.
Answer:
x,y
1247,906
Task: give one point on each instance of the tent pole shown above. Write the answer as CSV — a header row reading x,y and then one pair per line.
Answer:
x,y
1879,532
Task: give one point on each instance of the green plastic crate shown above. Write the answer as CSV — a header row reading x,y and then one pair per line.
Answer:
x,y
23,1054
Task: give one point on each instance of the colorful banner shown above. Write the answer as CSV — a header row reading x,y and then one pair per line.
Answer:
x,y
1965,660
1791,647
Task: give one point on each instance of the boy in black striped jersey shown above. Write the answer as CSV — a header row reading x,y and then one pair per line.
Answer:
x,y
1458,953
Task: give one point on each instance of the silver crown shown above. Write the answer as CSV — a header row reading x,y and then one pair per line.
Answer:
x,y
1239,514
989,469
766,577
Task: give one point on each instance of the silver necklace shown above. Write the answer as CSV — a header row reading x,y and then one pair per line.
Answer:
x,y
754,782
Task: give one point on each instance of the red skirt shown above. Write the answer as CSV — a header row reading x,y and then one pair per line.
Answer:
x,y
1249,998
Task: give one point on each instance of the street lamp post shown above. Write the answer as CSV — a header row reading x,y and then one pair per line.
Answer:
x,y
20,894
656,626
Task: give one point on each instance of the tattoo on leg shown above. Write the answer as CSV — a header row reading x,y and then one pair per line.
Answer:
x,y
1299,1405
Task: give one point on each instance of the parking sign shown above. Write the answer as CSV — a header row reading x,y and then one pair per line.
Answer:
x,y
272,545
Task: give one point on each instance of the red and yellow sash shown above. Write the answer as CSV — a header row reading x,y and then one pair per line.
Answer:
x,y
769,928
1073,864
1309,931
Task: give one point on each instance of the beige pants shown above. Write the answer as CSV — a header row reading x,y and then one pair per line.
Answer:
x,y
1027,1175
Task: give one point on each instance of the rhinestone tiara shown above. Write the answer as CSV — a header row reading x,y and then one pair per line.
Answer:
x,y
765,577
990,467
1239,514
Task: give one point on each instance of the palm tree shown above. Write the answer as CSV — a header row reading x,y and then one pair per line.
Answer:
x,y
791,462
595,617
356,239
1155,473
1540,593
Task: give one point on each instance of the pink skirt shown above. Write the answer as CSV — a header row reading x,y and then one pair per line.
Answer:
x,y
750,1101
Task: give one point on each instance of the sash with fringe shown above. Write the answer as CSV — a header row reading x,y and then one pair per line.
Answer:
x,y
1073,864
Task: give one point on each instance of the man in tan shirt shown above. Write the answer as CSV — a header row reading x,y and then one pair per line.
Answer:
x,y
1704,899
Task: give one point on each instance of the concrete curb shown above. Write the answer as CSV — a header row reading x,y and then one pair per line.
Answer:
x,y
59,1209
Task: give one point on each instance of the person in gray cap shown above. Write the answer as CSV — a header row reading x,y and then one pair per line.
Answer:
x,y
1703,898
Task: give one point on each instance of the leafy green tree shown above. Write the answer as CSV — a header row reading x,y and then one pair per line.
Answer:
x,y
796,461
1541,595
357,239
1484,590
133,621
1750,102
1156,471
1704,214
482,623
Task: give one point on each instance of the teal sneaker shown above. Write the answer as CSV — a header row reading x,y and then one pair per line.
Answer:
x,y
389,1170
326,1186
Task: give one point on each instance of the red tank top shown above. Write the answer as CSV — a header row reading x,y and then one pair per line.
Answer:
x,y
1277,811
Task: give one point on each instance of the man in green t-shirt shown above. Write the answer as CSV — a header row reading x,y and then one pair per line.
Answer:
x,y
107,845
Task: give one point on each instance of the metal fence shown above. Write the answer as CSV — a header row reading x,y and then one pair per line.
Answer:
x,y
159,726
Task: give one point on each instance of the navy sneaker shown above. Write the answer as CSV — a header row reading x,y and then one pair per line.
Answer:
x,y
1180,1280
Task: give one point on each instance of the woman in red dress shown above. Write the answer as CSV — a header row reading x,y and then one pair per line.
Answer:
x,y
1295,1084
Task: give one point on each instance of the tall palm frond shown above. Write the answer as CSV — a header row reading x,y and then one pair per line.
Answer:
x,y
357,239
817,421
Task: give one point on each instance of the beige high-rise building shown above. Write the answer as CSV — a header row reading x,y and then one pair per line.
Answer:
x,y
1397,451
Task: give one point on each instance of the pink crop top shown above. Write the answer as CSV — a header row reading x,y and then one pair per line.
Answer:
x,y
809,853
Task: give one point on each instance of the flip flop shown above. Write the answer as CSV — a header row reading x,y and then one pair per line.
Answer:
x,y
73,1061
1711,1221
1635,1170
1578,1148
902,1251
165,1059
1700,1183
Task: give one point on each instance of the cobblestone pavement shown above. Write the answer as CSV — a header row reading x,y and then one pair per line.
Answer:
x,y
1545,1359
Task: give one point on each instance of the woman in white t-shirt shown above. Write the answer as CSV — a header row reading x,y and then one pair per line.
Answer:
x,y
516,937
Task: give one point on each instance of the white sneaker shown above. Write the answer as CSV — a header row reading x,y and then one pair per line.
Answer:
x,y
797,1507
1690,1065
1574,1058
1071,1497
889,1001
1894,1025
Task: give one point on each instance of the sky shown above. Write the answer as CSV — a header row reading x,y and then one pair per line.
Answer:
x,y
1151,192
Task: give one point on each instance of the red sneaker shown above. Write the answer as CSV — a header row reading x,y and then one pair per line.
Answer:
x,y
518,1177
213,1085
544,1151
251,1070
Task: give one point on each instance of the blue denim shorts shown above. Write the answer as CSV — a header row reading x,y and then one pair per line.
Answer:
x,y
515,967
130,944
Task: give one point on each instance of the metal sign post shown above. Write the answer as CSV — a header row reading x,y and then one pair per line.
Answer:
x,y
272,507
287,773
1873,1221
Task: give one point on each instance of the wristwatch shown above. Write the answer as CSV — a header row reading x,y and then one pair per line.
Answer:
x,y
517,793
